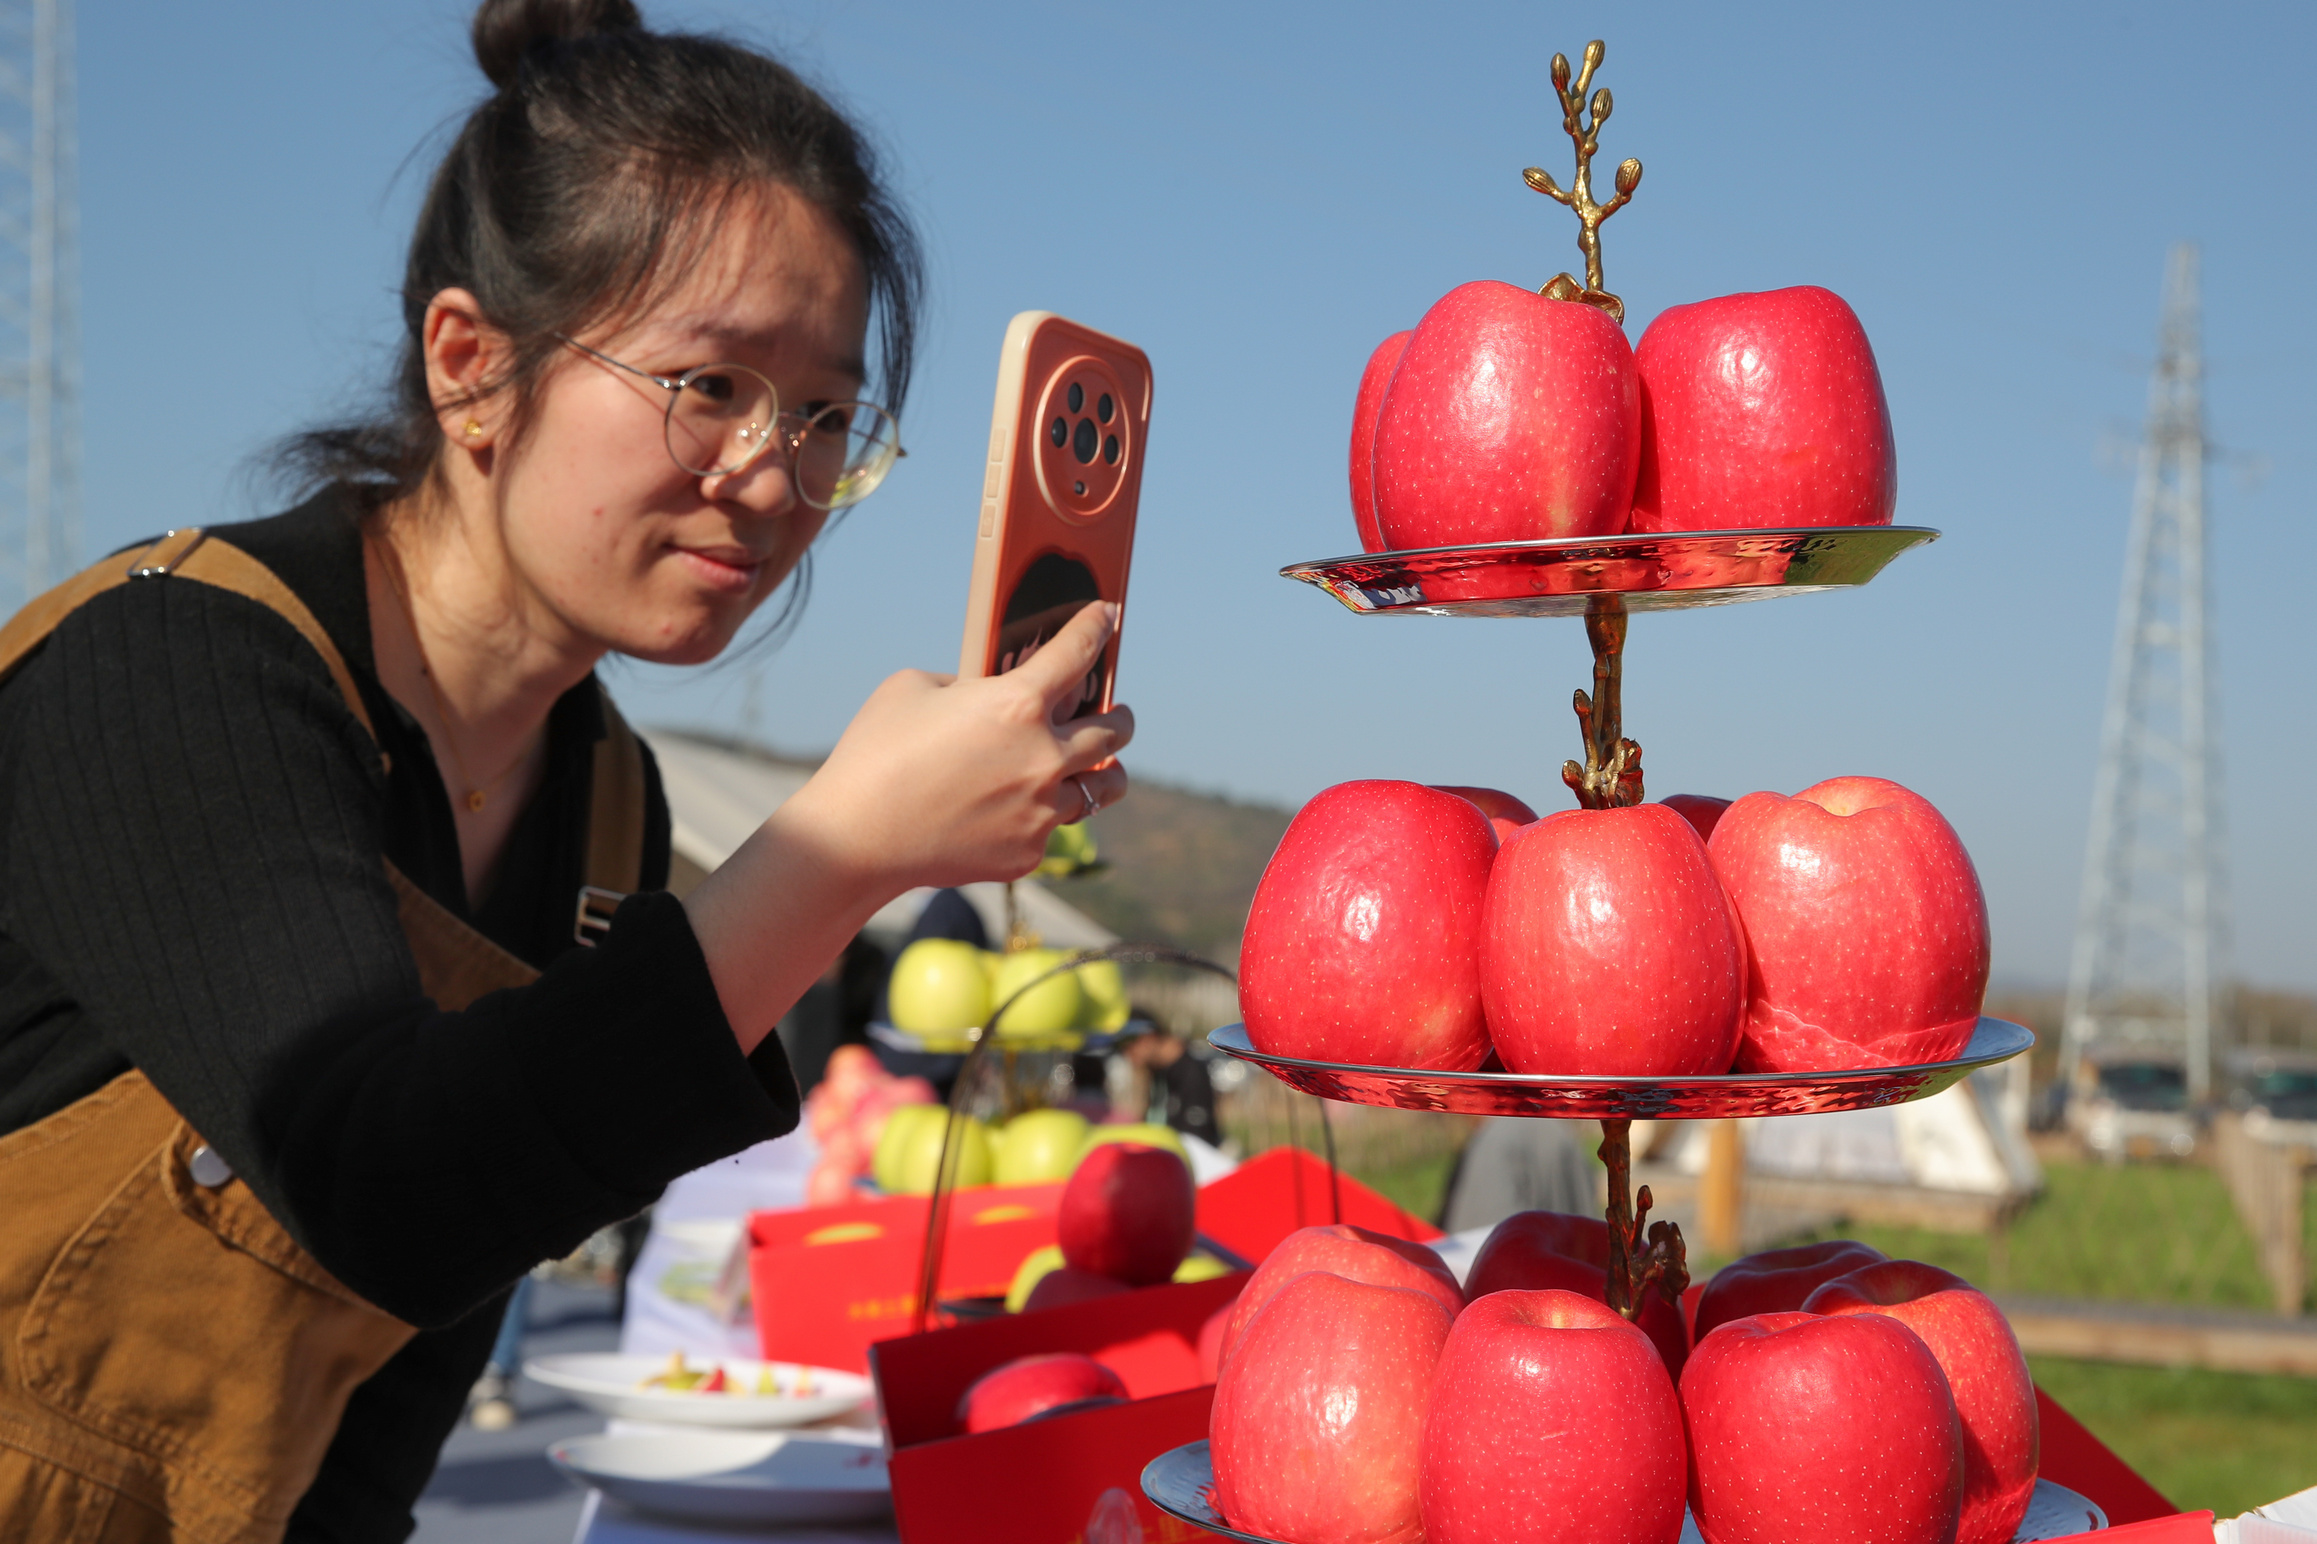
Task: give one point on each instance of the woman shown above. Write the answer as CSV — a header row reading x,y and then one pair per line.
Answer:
x,y
302,1062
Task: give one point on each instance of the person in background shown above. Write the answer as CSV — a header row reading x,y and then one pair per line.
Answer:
x,y
1514,1165
1182,1095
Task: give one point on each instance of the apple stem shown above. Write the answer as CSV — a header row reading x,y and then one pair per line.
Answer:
x,y
1610,777
1583,123
1636,1265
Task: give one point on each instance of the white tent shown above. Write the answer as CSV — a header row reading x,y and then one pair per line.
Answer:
x,y
719,791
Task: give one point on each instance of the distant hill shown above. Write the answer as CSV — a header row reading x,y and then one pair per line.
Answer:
x,y
1183,868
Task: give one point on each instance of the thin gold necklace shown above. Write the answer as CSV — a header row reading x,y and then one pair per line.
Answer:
x,y
478,794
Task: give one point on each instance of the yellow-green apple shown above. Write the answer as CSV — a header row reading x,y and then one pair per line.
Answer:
x,y
1354,1253
1866,924
1319,1411
1551,1421
1373,380
1994,1396
1609,949
1762,410
1048,1008
1702,811
1510,417
1030,1386
1036,1266
1555,1251
1139,1133
895,1141
1067,1284
1040,1146
1362,942
939,985
1776,1281
1810,1427
916,1159
1505,813
1103,986
1129,1212
1199,1267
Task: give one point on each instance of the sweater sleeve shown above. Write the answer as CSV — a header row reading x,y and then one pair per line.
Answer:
x,y
190,841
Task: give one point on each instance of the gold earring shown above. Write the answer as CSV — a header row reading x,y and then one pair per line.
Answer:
x,y
474,429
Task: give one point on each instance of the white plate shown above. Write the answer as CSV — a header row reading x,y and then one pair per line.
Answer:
x,y
736,1477
610,1383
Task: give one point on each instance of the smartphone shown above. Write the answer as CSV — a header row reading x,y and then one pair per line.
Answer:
x,y
1067,434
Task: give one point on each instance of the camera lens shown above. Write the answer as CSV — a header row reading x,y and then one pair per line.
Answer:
x,y
1077,396
1110,449
1104,408
1060,432
1082,443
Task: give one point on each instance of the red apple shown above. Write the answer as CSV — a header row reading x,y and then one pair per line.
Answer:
x,y
1551,1421
1505,813
1802,1427
1031,1386
1700,810
1994,1396
1129,1212
1065,1285
1866,922
1373,380
1762,410
1536,1251
1353,1253
1362,944
1776,1281
1510,418
1608,949
1319,1411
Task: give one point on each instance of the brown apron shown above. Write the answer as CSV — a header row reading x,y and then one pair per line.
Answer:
x,y
172,1364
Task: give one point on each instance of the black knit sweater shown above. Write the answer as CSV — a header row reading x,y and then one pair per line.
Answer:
x,y
191,823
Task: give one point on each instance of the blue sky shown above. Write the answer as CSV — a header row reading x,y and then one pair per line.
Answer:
x,y
1257,194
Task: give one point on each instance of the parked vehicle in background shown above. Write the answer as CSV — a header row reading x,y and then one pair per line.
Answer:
x,y
2276,1091
2132,1102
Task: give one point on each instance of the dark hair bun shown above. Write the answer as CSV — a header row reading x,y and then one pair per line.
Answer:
x,y
505,30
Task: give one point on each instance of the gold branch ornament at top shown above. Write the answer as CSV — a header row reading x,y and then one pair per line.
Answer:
x,y
1584,128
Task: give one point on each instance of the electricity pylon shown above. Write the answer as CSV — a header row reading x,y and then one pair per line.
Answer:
x,y
2150,962
39,300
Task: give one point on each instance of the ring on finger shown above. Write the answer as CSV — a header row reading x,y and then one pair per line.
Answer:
x,y
1093,805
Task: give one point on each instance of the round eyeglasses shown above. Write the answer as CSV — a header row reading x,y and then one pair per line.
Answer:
x,y
722,417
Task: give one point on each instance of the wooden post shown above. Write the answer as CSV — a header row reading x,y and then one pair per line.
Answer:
x,y
1722,1194
2264,1179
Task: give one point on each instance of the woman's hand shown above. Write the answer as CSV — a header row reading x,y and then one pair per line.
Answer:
x,y
941,782
935,782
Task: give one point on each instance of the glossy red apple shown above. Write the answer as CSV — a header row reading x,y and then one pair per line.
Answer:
x,y
1031,1386
1362,944
1552,1421
1866,923
1776,1281
1505,813
1317,1416
1373,380
1700,810
1762,410
1803,1427
1994,1396
1609,949
1511,417
1539,1251
1129,1212
1354,1253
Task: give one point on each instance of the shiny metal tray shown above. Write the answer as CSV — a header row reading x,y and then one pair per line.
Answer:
x,y
1595,1098
1558,578
1181,1483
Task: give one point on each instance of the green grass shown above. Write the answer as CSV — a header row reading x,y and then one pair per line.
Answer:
x,y
2227,1441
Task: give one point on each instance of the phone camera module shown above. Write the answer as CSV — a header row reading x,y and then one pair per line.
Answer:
x,y
1104,408
1083,442
1060,432
1110,449
1077,396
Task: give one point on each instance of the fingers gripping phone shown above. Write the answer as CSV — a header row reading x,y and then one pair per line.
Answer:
x,y
1058,495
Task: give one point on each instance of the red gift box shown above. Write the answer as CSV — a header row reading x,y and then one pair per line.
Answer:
x,y
826,1281
1249,1210
1042,1482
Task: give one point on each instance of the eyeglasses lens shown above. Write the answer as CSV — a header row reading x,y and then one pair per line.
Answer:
x,y
843,452
720,419
724,416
